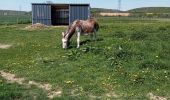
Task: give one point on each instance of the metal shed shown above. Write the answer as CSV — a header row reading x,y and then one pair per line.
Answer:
x,y
59,14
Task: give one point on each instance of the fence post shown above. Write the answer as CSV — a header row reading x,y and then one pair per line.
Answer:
x,y
31,19
17,20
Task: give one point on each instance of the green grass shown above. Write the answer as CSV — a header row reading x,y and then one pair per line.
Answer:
x,y
130,58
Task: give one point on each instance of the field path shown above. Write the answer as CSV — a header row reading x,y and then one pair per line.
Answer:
x,y
154,97
47,87
4,46
11,78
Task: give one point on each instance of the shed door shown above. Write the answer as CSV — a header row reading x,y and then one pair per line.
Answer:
x,y
79,12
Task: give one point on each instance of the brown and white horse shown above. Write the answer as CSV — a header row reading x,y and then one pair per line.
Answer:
x,y
81,27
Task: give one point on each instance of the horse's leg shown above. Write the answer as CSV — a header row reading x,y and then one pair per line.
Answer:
x,y
91,36
78,39
94,35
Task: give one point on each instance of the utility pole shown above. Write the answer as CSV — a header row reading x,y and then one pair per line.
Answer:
x,y
20,8
119,8
119,5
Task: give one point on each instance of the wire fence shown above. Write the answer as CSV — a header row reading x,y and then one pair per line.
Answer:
x,y
14,19
6,19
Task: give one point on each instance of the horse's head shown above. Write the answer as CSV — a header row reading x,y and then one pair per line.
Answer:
x,y
68,34
65,41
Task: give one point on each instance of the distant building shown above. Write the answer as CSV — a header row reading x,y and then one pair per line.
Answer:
x,y
59,14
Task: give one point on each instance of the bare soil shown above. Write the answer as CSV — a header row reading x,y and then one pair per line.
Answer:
x,y
4,46
154,97
36,26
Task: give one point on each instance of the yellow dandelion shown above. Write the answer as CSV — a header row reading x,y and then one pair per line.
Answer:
x,y
69,82
108,78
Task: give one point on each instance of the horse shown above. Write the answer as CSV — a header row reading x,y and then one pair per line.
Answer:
x,y
81,27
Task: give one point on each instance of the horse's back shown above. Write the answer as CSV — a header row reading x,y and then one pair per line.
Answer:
x,y
95,23
87,26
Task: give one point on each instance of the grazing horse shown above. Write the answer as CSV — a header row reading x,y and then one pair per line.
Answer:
x,y
81,27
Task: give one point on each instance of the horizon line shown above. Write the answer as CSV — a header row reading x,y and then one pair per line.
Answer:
x,y
100,8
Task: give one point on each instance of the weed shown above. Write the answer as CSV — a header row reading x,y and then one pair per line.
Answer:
x,y
138,36
157,65
119,34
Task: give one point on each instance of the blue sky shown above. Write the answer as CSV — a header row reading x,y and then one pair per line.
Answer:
x,y
25,5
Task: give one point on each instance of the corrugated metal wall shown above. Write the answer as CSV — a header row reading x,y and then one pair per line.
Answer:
x,y
41,14
81,12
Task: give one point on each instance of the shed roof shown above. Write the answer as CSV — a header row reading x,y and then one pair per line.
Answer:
x,y
81,4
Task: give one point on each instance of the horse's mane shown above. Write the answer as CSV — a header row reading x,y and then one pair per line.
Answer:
x,y
71,29
68,28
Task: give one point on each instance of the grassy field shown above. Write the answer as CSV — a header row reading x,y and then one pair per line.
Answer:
x,y
129,60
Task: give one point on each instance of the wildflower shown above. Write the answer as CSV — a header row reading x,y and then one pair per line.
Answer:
x,y
104,83
157,56
69,82
135,75
165,71
108,78
109,48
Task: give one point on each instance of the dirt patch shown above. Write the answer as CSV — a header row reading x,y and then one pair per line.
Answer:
x,y
112,94
53,94
4,46
93,97
47,87
36,26
61,26
39,26
115,14
107,95
11,78
154,97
